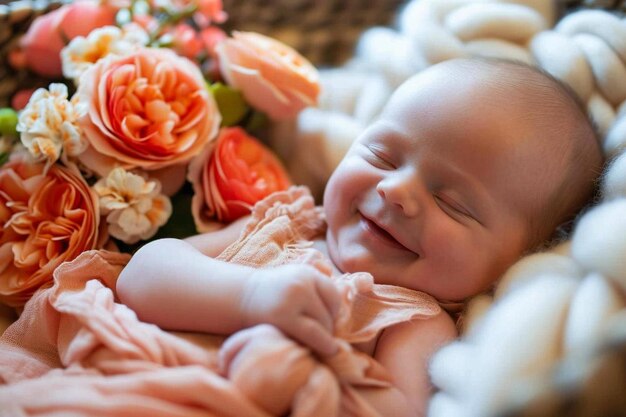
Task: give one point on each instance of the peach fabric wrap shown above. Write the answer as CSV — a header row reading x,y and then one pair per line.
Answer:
x,y
76,351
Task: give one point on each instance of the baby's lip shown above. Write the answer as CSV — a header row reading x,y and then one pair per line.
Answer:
x,y
385,232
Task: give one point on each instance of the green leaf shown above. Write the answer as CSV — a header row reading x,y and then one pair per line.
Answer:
x,y
180,225
256,121
8,122
4,157
231,104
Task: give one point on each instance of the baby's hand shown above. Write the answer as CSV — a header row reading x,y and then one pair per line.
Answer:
x,y
297,299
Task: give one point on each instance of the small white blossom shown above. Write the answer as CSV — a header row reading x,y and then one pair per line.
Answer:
x,y
81,53
134,206
49,125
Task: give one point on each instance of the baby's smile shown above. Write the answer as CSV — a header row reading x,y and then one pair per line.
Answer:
x,y
381,234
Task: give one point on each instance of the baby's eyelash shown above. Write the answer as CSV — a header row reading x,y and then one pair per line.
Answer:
x,y
382,160
458,210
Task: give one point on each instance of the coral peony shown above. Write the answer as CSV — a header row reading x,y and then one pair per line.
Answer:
x,y
229,179
46,218
148,110
273,77
47,35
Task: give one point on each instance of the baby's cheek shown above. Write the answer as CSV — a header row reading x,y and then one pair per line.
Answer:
x,y
455,250
444,236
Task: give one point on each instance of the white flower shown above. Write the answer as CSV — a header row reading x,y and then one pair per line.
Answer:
x,y
82,53
135,207
48,125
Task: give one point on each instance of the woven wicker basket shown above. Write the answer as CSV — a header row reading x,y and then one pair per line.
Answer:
x,y
325,31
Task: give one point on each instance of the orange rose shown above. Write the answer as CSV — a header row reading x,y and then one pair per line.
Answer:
x,y
273,77
229,179
147,110
45,219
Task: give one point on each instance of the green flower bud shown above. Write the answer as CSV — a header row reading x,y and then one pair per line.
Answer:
x,y
8,122
230,102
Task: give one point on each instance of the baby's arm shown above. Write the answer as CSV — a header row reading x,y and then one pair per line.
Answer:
x,y
171,283
214,243
405,350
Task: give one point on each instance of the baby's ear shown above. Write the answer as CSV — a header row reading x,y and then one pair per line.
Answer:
x,y
561,233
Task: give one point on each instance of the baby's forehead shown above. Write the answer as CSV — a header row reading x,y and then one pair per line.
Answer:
x,y
496,80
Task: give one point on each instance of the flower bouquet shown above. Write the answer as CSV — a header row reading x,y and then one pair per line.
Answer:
x,y
150,122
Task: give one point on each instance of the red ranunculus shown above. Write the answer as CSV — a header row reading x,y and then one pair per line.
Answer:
x,y
231,177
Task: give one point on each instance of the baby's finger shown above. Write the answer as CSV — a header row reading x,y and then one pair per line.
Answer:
x,y
316,309
330,295
311,333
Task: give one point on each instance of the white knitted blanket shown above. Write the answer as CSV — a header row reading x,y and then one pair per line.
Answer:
x,y
550,307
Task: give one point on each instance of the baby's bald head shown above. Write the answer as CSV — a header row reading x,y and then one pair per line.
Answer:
x,y
569,147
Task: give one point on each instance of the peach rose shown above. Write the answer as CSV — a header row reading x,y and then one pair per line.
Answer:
x,y
45,220
148,110
46,36
273,77
229,179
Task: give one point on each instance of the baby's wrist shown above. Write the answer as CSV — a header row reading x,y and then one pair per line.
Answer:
x,y
249,317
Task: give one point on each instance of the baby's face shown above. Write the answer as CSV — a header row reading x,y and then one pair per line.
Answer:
x,y
436,195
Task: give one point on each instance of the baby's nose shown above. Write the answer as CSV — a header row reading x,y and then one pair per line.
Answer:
x,y
401,192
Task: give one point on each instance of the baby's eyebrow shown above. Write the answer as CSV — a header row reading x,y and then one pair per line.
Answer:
x,y
388,129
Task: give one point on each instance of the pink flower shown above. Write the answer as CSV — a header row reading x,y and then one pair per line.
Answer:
x,y
273,77
210,11
149,110
20,99
186,41
231,178
47,35
46,218
211,37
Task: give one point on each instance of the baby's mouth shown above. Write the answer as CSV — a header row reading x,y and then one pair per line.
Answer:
x,y
382,234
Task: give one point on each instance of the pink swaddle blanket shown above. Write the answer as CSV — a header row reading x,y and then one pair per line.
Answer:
x,y
75,351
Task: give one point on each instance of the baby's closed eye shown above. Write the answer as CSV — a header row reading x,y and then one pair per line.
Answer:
x,y
452,207
378,157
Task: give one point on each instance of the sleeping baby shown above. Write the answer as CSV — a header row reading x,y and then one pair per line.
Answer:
x,y
472,164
